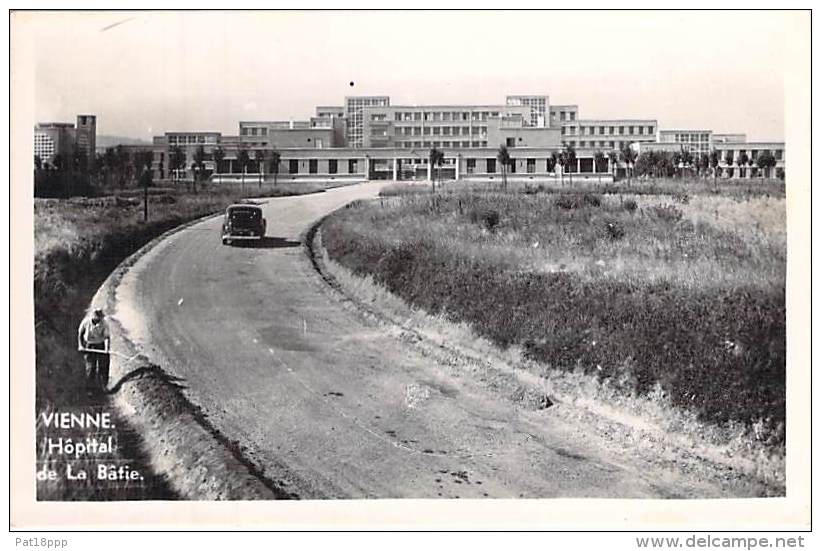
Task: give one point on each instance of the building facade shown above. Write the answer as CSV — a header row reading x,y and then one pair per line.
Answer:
x,y
369,138
64,138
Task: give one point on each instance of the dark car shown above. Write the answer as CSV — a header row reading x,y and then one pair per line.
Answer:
x,y
243,222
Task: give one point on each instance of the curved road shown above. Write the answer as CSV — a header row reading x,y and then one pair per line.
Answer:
x,y
333,406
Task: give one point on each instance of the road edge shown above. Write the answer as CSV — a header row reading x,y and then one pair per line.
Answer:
x,y
530,385
180,443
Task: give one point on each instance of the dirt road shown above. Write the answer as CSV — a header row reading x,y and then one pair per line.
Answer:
x,y
334,407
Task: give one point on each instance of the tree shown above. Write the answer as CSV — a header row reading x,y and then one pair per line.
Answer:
x,y
218,154
766,161
686,160
552,161
243,159
259,157
503,156
715,161
613,157
703,164
599,163
274,160
728,158
176,160
198,165
628,157
436,158
561,159
79,171
741,161
145,182
570,155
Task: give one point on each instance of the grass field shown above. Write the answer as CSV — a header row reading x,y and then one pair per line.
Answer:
x,y
78,242
677,286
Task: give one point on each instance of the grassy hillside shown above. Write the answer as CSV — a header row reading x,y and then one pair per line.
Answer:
x,y
643,288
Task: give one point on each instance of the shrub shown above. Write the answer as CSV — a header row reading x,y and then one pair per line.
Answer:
x,y
681,197
569,201
667,213
487,218
613,229
630,205
639,336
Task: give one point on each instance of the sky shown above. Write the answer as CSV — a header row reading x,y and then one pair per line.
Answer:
x,y
146,73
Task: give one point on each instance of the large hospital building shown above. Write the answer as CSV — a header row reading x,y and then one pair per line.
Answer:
x,y
367,137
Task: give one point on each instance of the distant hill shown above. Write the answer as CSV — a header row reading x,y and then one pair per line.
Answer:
x,y
104,141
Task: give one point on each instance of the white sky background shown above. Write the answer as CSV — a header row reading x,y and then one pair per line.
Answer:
x,y
146,73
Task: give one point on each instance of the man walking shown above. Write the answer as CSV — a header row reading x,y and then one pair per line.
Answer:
x,y
93,335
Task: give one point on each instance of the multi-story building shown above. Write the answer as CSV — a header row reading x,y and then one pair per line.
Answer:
x,y
354,106
539,108
64,138
368,138
696,142
608,134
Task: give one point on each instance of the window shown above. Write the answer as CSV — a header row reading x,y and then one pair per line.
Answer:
x,y
446,130
471,166
612,130
436,130
312,166
631,130
491,166
352,166
582,143
512,168
649,129
612,145
510,142
293,166
621,130
397,117
562,116
332,166
601,130
779,153
563,130
641,130
572,116
531,166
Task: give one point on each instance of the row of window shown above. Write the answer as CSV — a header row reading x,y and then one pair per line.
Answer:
x,y
752,154
564,115
191,138
608,130
445,143
692,138
440,130
253,131
601,143
441,116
